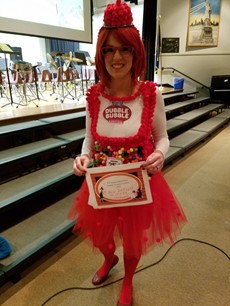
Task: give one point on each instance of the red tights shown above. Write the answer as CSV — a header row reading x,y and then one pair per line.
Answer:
x,y
109,257
130,265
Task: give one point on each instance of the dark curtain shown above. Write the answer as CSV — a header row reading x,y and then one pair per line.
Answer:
x,y
63,45
149,35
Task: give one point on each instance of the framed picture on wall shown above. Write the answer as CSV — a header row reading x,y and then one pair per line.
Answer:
x,y
203,23
170,45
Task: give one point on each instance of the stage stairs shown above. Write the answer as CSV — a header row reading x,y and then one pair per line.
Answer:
x,y
37,184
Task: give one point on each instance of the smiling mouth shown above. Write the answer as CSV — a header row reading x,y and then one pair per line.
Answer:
x,y
118,66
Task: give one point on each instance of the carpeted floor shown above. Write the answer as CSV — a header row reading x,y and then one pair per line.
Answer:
x,y
193,272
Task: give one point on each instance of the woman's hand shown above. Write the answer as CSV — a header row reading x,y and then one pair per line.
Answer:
x,y
80,165
154,162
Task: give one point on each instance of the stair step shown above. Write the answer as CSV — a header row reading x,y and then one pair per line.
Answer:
x,y
61,118
188,139
35,237
184,105
34,182
172,154
39,123
175,97
200,112
19,153
211,125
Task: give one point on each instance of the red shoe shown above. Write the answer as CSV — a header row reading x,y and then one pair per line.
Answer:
x,y
98,280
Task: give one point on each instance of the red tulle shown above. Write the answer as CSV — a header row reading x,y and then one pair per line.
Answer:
x,y
137,228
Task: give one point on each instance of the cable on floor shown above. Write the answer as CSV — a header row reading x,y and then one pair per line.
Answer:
x,y
139,270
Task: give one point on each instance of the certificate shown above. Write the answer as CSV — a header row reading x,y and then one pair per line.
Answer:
x,y
119,185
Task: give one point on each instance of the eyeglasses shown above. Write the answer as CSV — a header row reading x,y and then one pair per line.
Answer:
x,y
110,51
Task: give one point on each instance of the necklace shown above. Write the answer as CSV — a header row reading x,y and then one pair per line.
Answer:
x,y
117,103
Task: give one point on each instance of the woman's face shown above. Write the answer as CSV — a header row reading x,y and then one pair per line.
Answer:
x,y
118,59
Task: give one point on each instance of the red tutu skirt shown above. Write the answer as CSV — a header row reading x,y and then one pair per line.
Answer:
x,y
138,227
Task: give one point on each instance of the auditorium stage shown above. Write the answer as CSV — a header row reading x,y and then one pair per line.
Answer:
x,y
50,106
13,114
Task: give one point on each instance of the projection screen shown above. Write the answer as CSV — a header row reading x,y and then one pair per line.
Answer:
x,y
59,19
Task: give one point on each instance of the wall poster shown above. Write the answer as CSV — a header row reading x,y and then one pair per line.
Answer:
x,y
203,24
170,45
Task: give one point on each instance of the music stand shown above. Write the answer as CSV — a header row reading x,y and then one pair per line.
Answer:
x,y
6,49
59,55
35,81
82,56
36,92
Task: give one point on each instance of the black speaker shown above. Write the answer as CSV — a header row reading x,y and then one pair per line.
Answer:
x,y
17,56
220,88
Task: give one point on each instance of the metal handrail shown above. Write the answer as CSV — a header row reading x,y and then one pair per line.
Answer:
x,y
188,77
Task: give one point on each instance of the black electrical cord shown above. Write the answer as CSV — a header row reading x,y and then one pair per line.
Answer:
x,y
139,270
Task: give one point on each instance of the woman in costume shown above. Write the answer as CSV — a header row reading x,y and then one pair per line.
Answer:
x,y
125,123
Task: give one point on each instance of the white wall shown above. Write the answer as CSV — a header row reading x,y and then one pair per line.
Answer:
x,y
199,63
33,48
